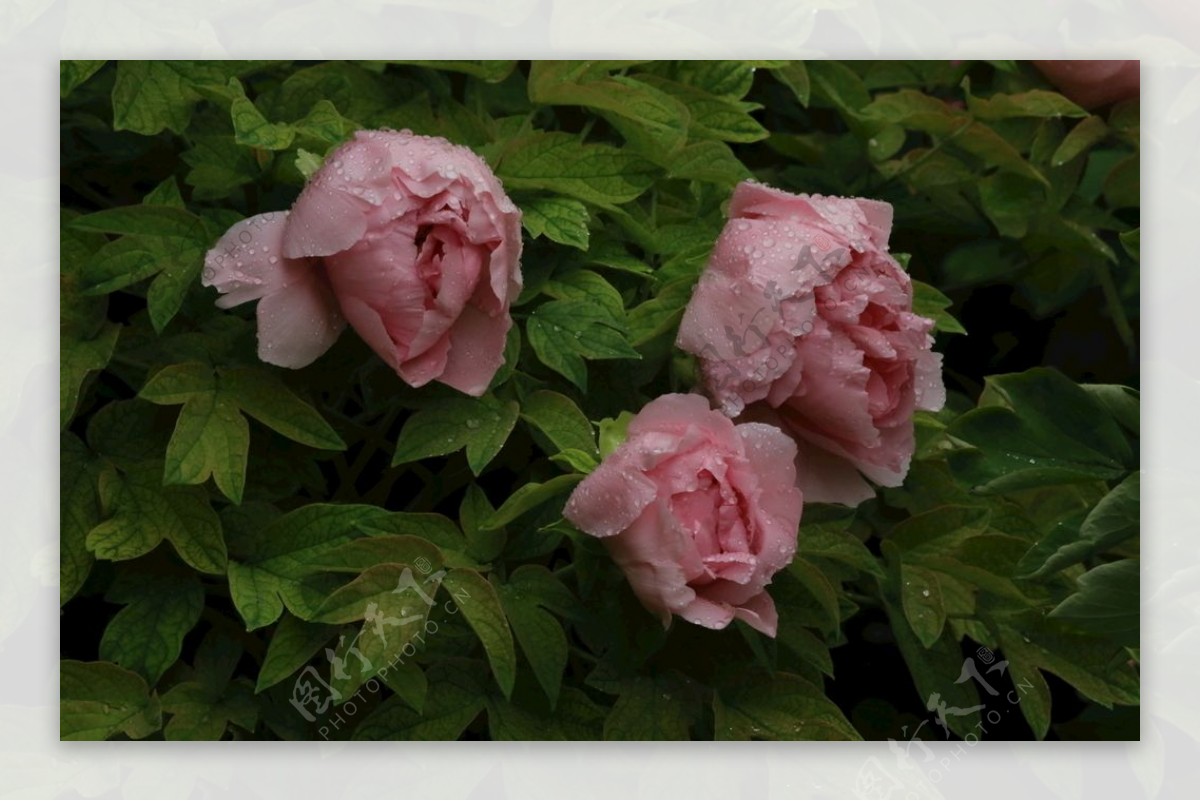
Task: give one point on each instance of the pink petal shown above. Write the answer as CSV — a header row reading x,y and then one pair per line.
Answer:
x,y
736,567
772,457
426,366
826,478
610,499
658,560
368,324
324,221
832,397
759,613
298,323
476,350
676,412
705,613
332,212
930,390
247,263
879,220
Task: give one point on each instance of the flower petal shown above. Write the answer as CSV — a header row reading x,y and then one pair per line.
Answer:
x,y
772,457
826,478
610,499
476,350
298,323
247,264
759,613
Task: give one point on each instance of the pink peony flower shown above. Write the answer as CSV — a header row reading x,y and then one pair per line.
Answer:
x,y
698,512
408,238
802,316
1094,83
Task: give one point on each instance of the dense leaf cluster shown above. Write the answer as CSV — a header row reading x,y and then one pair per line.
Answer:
x,y
249,552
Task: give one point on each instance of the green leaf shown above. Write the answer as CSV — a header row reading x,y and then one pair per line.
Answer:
x,y
561,421
559,219
149,96
1115,519
292,644
726,78
79,505
820,588
218,166
832,542
393,600
1132,242
1033,103
79,356
480,604
99,699
179,275
308,163
1107,603
1037,428
146,636
141,513
613,432
276,569
365,553
559,162
1099,669
929,302
268,400
805,644
921,597
935,670
484,545
530,590
588,287
563,332
647,709
795,77
1010,200
124,262
782,707
199,713
406,679
391,588
454,700
660,314
146,220
918,111
251,128
713,116
73,73
936,530
649,118
528,497
482,425
1087,133
1034,693
211,437
709,161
